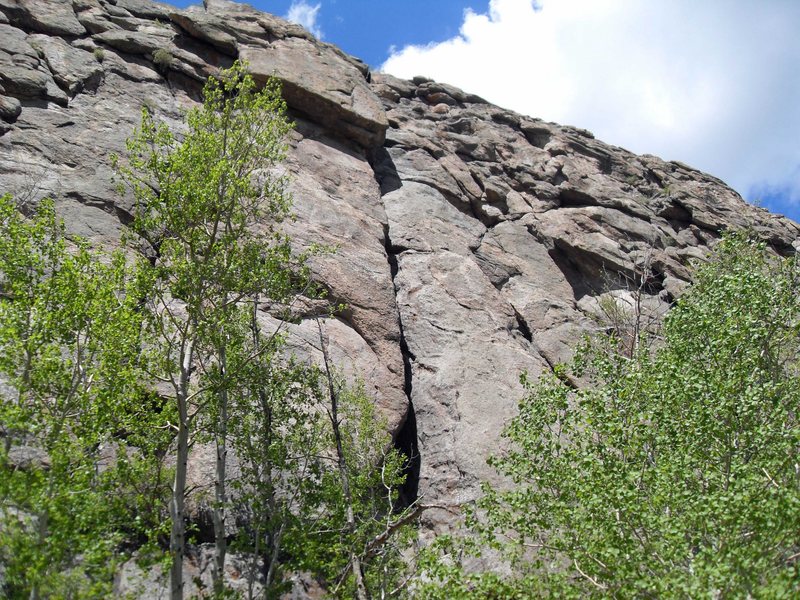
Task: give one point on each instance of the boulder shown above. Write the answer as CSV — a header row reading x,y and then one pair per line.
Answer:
x,y
10,108
137,42
205,27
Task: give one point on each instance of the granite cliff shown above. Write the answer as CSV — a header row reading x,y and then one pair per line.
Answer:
x,y
473,243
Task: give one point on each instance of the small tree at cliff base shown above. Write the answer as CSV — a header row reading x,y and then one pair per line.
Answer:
x,y
675,473
208,202
276,432
357,544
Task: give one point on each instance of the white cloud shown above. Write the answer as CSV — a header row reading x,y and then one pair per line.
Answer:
x,y
715,84
305,14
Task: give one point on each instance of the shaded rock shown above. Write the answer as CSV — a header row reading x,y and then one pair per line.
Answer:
x,y
589,248
466,355
205,27
15,43
337,203
28,457
421,219
133,581
9,108
441,93
23,82
95,20
248,24
145,9
400,87
54,93
137,42
419,165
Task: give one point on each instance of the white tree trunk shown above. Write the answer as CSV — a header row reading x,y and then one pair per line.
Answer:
x,y
177,538
220,493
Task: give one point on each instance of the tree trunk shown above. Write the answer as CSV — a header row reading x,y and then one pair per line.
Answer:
x,y
220,494
42,535
177,538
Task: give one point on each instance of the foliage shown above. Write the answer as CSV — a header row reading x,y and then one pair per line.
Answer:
x,y
163,59
201,195
674,474
108,364
449,570
71,474
628,308
276,431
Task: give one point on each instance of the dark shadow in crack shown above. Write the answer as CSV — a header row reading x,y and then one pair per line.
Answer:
x,y
406,444
385,171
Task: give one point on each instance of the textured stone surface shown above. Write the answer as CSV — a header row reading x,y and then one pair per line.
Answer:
x,y
506,232
472,243
323,85
54,17
73,69
9,108
206,27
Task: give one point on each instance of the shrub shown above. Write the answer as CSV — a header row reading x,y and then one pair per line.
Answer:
x,y
163,59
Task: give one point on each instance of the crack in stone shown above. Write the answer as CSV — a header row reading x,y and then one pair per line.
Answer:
x,y
406,440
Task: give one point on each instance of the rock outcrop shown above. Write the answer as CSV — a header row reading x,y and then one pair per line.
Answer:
x,y
473,243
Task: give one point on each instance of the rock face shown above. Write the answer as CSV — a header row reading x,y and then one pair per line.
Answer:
x,y
473,243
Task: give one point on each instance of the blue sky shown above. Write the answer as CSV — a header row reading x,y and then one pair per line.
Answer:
x,y
712,83
369,28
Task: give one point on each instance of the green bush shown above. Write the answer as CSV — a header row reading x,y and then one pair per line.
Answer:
x,y
163,59
675,473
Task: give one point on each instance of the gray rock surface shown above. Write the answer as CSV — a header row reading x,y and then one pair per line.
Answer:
x,y
473,243
73,69
54,17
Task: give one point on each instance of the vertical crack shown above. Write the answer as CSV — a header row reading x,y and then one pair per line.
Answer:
x,y
406,440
